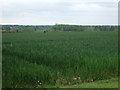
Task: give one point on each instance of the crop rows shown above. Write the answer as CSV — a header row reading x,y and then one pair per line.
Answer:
x,y
38,59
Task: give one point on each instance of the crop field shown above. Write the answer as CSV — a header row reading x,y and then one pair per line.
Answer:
x,y
37,59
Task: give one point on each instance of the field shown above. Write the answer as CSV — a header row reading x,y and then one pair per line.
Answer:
x,y
35,60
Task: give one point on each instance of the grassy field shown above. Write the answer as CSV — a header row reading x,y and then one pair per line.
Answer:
x,y
66,58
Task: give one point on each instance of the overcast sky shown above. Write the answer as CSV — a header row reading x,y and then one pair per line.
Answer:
x,y
49,12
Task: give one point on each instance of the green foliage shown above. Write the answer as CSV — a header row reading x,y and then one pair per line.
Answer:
x,y
7,28
63,27
25,28
57,27
58,57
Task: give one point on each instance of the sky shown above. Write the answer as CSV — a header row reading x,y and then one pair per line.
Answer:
x,y
50,12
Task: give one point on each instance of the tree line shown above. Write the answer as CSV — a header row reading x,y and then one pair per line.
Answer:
x,y
63,27
57,27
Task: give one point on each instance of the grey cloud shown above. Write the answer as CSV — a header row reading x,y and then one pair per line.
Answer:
x,y
60,12
16,8
104,4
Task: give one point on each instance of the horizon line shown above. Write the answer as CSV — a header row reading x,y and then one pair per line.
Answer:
x,y
65,24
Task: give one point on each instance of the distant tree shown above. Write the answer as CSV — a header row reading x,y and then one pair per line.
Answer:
x,y
63,27
6,28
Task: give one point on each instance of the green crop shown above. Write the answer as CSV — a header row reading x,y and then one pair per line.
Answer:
x,y
38,59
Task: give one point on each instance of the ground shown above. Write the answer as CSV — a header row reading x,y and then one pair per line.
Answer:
x,y
110,83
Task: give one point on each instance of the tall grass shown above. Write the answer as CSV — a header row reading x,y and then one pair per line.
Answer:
x,y
37,59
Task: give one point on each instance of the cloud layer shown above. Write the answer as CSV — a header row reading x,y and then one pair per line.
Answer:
x,y
59,11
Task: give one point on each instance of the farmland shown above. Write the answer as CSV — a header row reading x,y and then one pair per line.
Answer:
x,y
37,59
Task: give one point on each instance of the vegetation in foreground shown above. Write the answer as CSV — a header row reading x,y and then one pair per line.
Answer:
x,y
109,83
67,58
